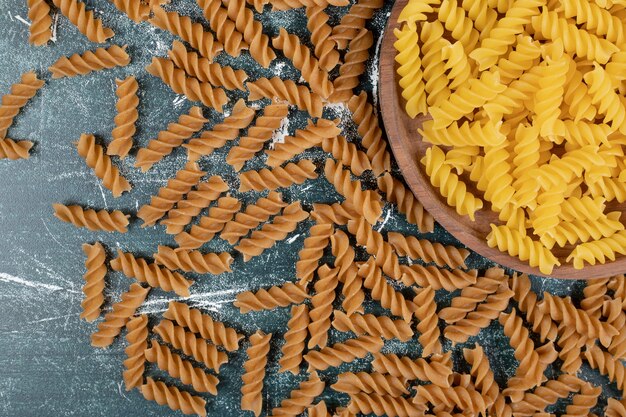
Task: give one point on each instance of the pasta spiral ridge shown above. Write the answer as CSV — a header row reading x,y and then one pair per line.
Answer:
x,y
205,70
41,22
353,66
113,221
570,343
191,345
271,298
89,61
252,31
384,255
171,138
352,289
366,203
254,214
381,405
312,251
183,27
382,384
467,134
427,251
126,117
134,364
593,294
460,26
347,153
410,70
119,315
337,213
431,276
407,203
101,165
527,303
254,366
297,95
296,4
607,365
615,408
194,261
322,306
270,233
521,59
596,19
300,398
428,321
173,397
482,374
407,368
313,135
318,410
177,367
224,28
14,150
170,194
84,20
279,177
583,401
197,322
457,64
584,230
134,9
221,133
151,273
295,336
607,101
464,398
191,87
94,281
576,96
434,67
344,352
257,135
324,46
545,395
523,247
303,60
353,21
372,325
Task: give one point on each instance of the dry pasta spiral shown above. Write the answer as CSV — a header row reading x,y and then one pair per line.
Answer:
x,y
607,365
382,405
101,164
177,367
96,60
431,276
383,384
318,410
209,225
210,329
279,177
254,366
428,321
312,251
322,306
224,28
457,63
577,99
300,398
545,395
410,70
523,247
347,153
297,331
456,396
171,138
397,193
41,22
344,352
583,401
317,23
174,398
460,26
94,281
170,194
21,93
353,66
84,20
296,4
194,261
427,251
467,134
352,289
522,58
192,88
407,368
134,364
615,408
594,293
313,135
191,345
271,298
353,21
134,9
607,101
151,273
482,374
119,315
252,216
527,302
113,221
371,136
337,213
375,245
286,90
252,31
125,118
270,233
372,325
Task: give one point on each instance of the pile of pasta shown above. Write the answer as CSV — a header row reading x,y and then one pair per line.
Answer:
x,y
377,288
526,111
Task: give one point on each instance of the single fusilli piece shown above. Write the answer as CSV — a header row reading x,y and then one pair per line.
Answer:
x,y
205,325
151,273
303,60
271,298
209,225
300,398
170,138
170,194
14,150
252,216
352,67
382,405
546,395
353,21
484,379
101,164
594,294
296,4
21,93
322,306
428,321
134,9
119,315
254,366
607,101
427,251
375,245
312,251
221,133
364,116
404,367
134,364
347,153
463,398
607,365
297,95
84,20
337,213
383,384
324,46
410,70
313,135
406,202
344,352
432,276
252,31
223,27
94,281
584,400
270,233
89,61
191,345
466,134
126,117
194,261
279,177
352,289
297,331
182,369
40,22
174,398
109,221
372,325
527,303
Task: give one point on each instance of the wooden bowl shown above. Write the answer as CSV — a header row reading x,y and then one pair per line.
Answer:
x,y
409,148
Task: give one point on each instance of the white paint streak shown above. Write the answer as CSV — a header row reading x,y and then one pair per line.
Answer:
x,y
45,225
55,21
104,197
21,19
209,300
279,134
179,100
10,16
4,277
292,239
373,74
50,319
387,217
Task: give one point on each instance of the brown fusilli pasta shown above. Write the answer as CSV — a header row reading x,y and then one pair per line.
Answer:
x,y
113,221
381,405
151,273
21,93
254,366
94,281
252,216
297,330
344,352
300,398
125,118
296,4
372,325
174,398
89,61
352,22
227,130
427,251
607,365
527,303
271,298
371,136
14,150
252,31
404,367
337,213
194,261
279,177
223,27
303,60
300,96
270,233
375,245
594,293
353,66
120,313
348,272
84,20
431,276
312,251
322,306
318,410
428,321
463,398
170,194
397,193
171,138
383,384
347,153
101,164
197,322
135,362
40,22
545,395
317,24
134,9
484,379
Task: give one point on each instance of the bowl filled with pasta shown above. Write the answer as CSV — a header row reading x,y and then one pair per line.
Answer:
x,y
508,121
